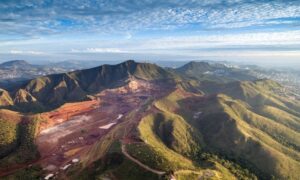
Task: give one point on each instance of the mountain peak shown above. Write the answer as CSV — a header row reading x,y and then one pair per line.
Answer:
x,y
198,66
130,61
15,63
56,89
197,63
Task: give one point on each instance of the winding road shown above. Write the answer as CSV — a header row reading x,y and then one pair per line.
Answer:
x,y
141,164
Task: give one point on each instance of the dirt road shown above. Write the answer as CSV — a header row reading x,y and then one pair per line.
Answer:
x,y
141,164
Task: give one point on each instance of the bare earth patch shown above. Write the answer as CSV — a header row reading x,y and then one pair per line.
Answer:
x,y
69,131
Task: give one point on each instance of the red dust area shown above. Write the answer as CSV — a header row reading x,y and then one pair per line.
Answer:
x,y
67,133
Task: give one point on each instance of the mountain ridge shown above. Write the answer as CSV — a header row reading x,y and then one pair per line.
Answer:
x,y
217,72
14,63
57,89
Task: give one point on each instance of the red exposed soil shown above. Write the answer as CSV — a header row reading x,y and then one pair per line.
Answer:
x,y
79,125
69,131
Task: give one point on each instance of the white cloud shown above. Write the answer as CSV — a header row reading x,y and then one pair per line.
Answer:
x,y
284,39
134,15
26,52
99,50
249,14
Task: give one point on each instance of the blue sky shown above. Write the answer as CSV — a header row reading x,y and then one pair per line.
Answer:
x,y
239,30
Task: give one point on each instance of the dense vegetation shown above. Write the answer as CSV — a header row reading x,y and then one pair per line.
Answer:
x,y
34,172
234,168
8,137
24,149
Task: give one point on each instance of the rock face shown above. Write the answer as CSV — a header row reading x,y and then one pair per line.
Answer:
x,y
5,99
23,96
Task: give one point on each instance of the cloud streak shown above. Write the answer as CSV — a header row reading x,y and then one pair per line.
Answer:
x,y
99,50
26,52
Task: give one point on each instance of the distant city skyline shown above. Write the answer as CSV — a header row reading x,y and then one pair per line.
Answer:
x,y
263,32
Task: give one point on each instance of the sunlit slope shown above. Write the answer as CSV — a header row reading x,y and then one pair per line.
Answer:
x,y
260,93
172,145
17,133
8,131
164,131
5,99
248,122
241,134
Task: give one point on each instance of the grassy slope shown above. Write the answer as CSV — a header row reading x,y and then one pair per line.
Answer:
x,y
180,160
148,130
280,116
173,103
279,132
8,131
251,124
113,164
254,141
24,149
253,117
171,144
8,136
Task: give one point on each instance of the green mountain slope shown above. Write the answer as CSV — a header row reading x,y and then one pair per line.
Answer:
x,y
173,143
242,124
17,134
238,122
241,134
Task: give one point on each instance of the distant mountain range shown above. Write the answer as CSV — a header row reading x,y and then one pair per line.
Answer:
x,y
14,64
214,72
20,70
